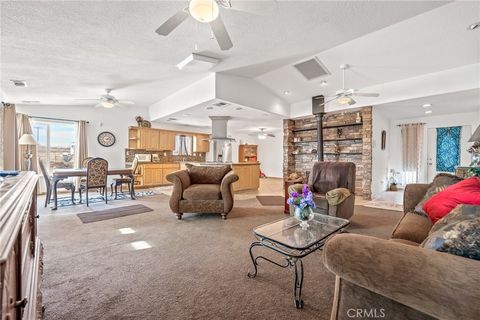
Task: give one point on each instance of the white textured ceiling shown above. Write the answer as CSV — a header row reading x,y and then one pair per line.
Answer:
x,y
456,102
67,50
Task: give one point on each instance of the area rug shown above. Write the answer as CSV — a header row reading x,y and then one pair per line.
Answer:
x,y
107,214
271,200
66,201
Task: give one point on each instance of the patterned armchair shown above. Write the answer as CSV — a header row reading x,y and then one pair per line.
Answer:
x,y
202,189
97,169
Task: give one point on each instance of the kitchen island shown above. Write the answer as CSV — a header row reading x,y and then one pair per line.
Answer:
x,y
248,173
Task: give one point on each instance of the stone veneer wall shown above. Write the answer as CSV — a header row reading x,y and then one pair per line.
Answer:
x,y
356,146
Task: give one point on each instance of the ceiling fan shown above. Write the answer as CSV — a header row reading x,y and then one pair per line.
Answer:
x,y
345,96
108,101
205,11
262,134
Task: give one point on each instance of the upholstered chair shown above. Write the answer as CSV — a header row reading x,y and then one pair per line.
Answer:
x,y
68,184
97,170
124,180
202,189
333,188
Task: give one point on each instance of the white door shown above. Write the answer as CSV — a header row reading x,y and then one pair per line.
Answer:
x,y
432,150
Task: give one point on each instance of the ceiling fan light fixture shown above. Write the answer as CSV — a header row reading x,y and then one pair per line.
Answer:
x,y
108,104
262,136
203,10
346,100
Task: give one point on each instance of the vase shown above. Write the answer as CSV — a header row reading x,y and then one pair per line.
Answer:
x,y
303,215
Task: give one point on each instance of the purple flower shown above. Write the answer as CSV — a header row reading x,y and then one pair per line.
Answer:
x,y
305,190
303,200
294,194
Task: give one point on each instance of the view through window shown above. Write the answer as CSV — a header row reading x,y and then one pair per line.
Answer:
x,y
55,142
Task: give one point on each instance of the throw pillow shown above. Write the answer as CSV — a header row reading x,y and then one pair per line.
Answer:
x,y
463,192
439,183
207,174
457,233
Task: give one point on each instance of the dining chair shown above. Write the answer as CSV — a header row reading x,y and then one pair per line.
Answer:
x,y
97,170
85,161
69,185
124,180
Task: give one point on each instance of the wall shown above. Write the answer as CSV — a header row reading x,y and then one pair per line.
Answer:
x,y
395,153
380,157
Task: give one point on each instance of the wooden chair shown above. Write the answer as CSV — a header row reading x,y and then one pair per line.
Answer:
x,y
69,185
85,161
124,180
97,170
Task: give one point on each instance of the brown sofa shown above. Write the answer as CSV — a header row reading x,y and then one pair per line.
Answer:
x,y
325,177
202,189
395,279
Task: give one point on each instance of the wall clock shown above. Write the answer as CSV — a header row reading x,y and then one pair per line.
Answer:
x,y
106,139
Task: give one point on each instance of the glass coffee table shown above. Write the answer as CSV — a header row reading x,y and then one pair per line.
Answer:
x,y
287,238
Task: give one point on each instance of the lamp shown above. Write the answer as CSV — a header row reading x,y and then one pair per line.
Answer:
x,y
203,10
262,136
28,140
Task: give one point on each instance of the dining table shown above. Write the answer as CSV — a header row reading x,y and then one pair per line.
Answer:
x,y
61,174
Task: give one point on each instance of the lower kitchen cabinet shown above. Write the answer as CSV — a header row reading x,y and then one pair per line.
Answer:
x,y
154,174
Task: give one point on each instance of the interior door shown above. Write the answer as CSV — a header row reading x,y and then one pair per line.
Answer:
x,y
432,150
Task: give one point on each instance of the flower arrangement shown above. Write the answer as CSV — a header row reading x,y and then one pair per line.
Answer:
x,y
302,200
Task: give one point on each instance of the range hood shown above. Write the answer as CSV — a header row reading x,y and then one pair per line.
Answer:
x,y
219,128
220,142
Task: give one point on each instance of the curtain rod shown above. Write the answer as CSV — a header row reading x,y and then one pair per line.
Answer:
x,y
404,124
47,118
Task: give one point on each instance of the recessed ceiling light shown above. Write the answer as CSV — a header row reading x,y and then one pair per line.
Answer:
x,y
428,111
286,92
474,26
238,108
187,114
209,108
426,105
323,83
172,119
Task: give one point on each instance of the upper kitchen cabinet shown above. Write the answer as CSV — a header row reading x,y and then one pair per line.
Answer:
x,y
201,143
143,138
167,140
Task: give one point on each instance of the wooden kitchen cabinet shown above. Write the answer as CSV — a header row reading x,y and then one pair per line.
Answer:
x,y
167,140
154,174
149,139
249,176
202,145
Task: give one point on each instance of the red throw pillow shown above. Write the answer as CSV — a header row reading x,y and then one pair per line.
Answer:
x,y
463,192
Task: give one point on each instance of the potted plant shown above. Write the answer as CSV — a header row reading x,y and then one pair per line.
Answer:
x,y
303,204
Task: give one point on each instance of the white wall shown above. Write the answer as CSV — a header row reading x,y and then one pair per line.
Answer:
x,y
395,151
380,157
116,121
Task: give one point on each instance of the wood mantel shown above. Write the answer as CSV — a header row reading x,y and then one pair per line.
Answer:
x,y
20,249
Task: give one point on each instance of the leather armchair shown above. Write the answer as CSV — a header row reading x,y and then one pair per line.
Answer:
x,y
202,189
328,176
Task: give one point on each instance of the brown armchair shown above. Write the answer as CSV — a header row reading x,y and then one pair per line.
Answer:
x,y
329,176
202,189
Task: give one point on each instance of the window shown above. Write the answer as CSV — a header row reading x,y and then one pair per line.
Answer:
x,y
55,142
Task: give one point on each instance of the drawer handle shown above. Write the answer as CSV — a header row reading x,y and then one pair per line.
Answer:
x,y
21,303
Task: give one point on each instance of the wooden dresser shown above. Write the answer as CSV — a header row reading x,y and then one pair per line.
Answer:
x,y
20,249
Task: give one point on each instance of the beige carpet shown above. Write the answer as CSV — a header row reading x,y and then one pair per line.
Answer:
x,y
195,269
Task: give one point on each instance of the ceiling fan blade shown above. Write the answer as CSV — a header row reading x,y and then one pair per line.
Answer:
x,y
126,102
173,22
365,94
270,135
221,34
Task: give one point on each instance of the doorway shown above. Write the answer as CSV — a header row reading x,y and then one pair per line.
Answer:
x,y
464,157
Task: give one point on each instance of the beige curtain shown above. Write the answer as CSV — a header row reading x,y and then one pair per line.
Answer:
x,y
81,146
24,126
9,156
412,144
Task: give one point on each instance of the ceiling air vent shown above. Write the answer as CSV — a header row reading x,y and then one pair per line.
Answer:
x,y
19,83
312,68
220,104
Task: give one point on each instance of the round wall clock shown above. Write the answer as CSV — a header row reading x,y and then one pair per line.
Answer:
x,y
106,139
